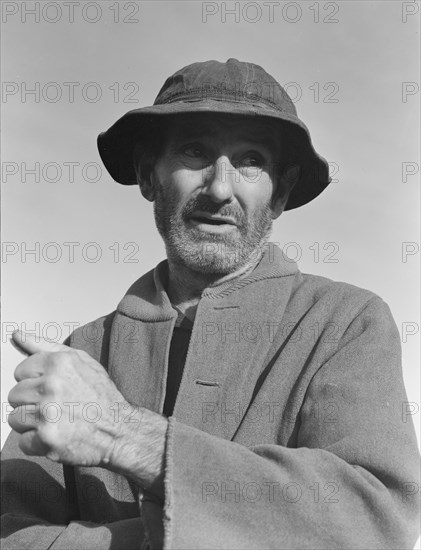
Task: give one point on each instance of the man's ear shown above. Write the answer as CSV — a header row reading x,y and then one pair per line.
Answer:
x,y
146,185
286,184
144,176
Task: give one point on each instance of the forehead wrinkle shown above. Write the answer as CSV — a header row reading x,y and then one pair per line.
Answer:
x,y
194,130
252,131
266,137
197,126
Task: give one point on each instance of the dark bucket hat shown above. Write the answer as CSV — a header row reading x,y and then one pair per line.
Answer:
x,y
234,88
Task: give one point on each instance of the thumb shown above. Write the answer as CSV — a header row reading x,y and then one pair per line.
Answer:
x,y
30,344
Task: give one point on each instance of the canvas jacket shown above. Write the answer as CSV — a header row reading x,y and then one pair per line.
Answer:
x,y
289,429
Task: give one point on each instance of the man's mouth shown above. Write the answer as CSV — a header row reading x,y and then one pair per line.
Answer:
x,y
212,222
212,219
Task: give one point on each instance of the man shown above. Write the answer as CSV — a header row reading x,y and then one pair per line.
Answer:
x,y
230,401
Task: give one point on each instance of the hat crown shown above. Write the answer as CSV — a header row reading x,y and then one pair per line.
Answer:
x,y
234,81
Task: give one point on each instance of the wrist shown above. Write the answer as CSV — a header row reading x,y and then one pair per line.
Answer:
x,y
138,450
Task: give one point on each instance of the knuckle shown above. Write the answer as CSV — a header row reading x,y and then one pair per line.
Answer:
x,y
11,419
67,357
74,355
20,369
51,384
58,361
59,357
11,397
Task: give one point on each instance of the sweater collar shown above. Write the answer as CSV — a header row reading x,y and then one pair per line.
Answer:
x,y
147,300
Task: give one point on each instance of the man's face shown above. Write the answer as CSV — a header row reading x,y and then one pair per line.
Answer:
x,y
213,186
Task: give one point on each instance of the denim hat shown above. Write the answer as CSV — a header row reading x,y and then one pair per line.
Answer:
x,y
234,88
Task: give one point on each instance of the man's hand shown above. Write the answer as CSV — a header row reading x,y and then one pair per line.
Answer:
x,y
67,408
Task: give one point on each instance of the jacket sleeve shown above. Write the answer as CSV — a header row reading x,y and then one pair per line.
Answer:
x,y
351,482
39,506
38,509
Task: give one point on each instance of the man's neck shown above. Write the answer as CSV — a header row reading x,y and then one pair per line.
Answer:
x,y
185,286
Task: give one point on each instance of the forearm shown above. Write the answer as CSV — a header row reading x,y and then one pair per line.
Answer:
x,y
139,450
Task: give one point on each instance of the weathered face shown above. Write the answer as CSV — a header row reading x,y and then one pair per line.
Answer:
x,y
212,188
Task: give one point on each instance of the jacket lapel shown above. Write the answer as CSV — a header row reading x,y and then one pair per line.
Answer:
x,y
140,339
231,343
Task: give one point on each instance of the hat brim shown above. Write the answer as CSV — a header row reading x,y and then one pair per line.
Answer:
x,y
116,145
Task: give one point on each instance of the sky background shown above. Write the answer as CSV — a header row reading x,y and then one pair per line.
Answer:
x,y
359,121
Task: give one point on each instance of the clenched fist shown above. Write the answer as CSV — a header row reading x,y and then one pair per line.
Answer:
x,y
64,404
67,408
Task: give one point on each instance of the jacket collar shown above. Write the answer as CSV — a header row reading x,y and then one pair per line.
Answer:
x,y
147,299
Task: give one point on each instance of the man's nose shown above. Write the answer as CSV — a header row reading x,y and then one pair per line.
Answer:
x,y
219,178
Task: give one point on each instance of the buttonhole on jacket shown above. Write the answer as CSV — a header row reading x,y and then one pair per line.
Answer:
x,y
207,383
226,307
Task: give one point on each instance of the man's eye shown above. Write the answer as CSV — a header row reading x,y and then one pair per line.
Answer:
x,y
194,151
252,160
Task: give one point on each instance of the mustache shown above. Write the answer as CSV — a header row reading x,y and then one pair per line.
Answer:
x,y
205,204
